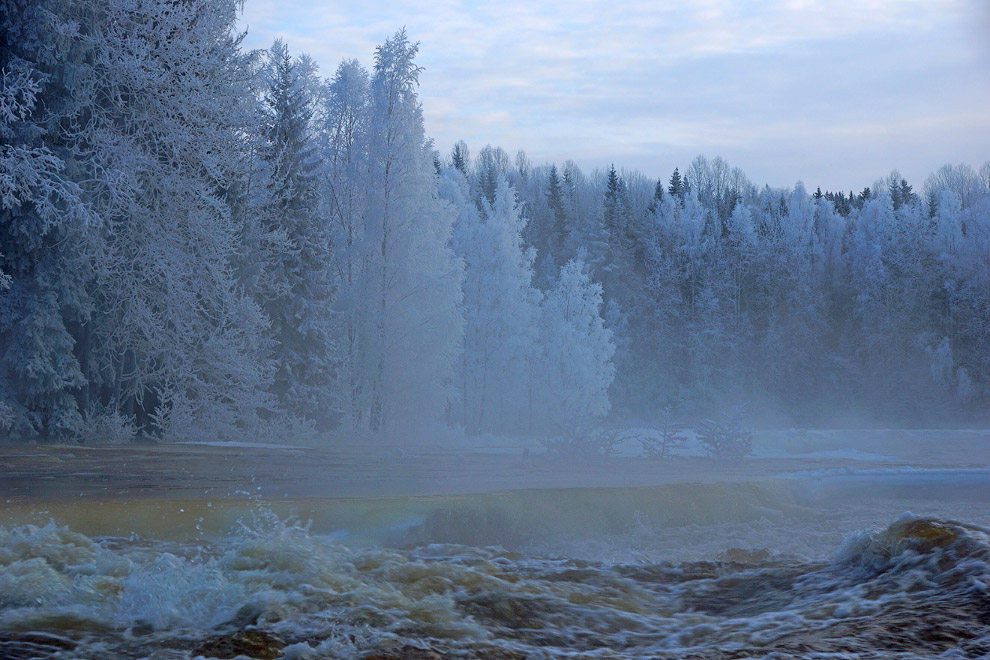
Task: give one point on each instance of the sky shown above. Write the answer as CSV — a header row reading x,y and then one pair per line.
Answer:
x,y
834,94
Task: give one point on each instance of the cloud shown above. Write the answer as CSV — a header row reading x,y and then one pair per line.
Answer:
x,y
763,83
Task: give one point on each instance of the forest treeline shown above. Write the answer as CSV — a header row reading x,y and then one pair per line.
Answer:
x,y
202,241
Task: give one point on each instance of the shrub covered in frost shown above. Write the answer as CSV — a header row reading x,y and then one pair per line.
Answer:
x,y
659,442
584,440
725,438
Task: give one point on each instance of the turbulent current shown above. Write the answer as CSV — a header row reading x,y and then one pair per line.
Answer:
x,y
746,571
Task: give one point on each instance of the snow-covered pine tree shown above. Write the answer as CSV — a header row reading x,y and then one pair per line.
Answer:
x,y
42,220
559,230
295,284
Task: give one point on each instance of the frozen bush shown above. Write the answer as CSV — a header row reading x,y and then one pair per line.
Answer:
x,y
725,438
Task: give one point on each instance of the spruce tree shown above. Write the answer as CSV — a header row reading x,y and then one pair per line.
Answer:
x,y
558,214
676,187
44,295
295,285
460,157
612,206
657,198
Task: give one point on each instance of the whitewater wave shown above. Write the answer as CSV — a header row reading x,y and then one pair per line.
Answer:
x,y
915,588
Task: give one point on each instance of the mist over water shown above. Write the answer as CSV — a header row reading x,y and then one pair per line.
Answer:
x,y
279,380
805,565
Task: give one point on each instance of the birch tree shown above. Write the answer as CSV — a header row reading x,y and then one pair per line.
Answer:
x,y
411,326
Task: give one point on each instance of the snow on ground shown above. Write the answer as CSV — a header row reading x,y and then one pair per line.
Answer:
x,y
837,454
243,445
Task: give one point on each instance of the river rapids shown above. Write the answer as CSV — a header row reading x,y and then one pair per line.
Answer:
x,y
620,573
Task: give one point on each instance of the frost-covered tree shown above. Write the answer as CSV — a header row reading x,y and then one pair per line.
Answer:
x,y
676,187
291,257
793,305
42,220
961,179
491,164
195,239
461,157
948,224
546,230
176,345
577,352
411,324
344,170
622,274
558,241
501,311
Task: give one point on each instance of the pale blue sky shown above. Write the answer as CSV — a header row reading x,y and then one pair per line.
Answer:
x,y
832,93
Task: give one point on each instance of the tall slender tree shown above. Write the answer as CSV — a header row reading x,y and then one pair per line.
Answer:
x,y
413,325
294,255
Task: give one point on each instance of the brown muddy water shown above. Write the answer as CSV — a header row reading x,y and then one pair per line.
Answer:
x,y
814,565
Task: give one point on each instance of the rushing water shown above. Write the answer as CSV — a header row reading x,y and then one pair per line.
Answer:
x,y
761,570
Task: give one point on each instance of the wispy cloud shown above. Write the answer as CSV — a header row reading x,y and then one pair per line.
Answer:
x,y
781,88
